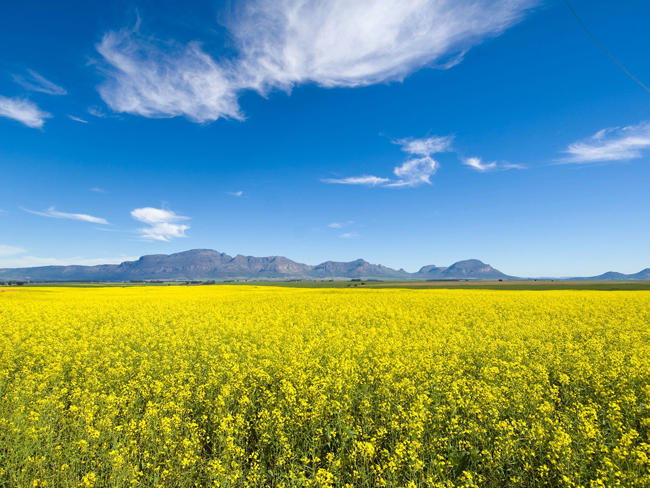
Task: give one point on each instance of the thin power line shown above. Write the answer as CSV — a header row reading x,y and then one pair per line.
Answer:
x,y
603,47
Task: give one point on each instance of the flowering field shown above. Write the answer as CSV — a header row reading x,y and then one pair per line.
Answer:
x,y
245,386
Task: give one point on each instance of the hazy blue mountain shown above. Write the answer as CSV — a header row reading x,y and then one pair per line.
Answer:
x,y
462,270
356,269
197,264
643,275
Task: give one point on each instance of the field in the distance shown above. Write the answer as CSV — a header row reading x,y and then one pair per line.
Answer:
x,y
415,285
285,386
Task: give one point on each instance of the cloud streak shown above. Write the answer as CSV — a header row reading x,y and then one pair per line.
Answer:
x,y
24,111
77,119
163,225
610,145
55,214
10,250
283,44
364,180
35,82
477,164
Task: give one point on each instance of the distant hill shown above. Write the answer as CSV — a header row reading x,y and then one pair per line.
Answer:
x,y
643,275
206,264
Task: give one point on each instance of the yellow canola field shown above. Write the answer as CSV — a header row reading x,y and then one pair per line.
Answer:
x,y
244,386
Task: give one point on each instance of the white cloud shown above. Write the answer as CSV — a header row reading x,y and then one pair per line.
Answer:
x,y
32,261
412,172
55,214
10,250
426,146
96,112
163,224
350,235
343,43
365,180
23,111
97,190
281,44
77,119
478,165
614,144
415,172
340,225
235,193
164,79
35,82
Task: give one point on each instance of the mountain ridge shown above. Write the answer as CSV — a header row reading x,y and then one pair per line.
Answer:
x,y
207,264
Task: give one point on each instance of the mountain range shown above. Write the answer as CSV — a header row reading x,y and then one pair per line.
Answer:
x,y
206,264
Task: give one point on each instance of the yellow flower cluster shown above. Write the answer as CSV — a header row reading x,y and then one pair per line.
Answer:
x,y
243,386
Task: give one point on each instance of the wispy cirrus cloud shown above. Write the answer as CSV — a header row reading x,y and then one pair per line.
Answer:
x,y
97,190
165,79
477,164
24,111
412,172
35,82
279,45
342,43
235,193
425,146
610,145
55,214
350,235
163,225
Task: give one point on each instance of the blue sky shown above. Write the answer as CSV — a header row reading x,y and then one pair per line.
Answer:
x,y
406,133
